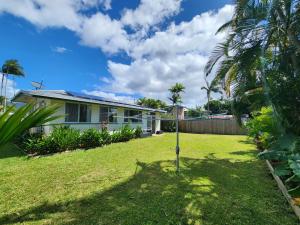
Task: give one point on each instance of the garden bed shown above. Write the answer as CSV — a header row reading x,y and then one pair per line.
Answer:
x,y
284,191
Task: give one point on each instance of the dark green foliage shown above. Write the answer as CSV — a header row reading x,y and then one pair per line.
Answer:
x,y
138,132
175,92
168,125
65,138
152,103
262,128
105,137
90,138
123,135
219,106
196,112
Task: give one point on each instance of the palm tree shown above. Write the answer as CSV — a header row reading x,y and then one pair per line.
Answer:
x,y
212,87
176,91
10,67
259,61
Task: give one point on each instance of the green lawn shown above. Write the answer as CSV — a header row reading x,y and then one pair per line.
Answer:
x,y
221,182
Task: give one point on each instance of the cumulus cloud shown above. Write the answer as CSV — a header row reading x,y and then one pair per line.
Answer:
x,y
177,54
158,58
101,31
150,13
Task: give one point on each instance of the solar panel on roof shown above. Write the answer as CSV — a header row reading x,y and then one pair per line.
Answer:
x,y
82,95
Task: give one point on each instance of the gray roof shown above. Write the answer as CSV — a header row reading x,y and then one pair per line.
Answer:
x,y
78,97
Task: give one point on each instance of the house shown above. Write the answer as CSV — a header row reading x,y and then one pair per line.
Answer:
x,y
83,111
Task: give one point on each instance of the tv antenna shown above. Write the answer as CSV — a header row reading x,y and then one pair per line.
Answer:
x,y
37,85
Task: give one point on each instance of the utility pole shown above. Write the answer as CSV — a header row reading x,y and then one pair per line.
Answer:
x,y
177,140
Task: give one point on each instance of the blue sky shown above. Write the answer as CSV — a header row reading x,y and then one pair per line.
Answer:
x,y
115,49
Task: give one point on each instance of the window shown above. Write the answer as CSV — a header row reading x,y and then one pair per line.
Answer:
x,y
108,115
132,116
113,113
78,112
84,113
71,112
103,115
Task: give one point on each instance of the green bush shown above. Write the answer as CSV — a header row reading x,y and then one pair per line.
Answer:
x,y
40,145
262,127
122,135
90,138
65,138
105,137
126,133
168,125
138,132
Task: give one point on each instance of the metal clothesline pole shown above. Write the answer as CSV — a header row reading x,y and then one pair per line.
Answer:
x,y
177,141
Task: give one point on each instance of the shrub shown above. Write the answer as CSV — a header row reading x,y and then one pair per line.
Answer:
x,y
123,135
40,145
90,138
168,125
262,127
105,137
138,132
65,138
126,133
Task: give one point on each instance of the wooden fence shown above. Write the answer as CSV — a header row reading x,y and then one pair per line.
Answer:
x,y
211,126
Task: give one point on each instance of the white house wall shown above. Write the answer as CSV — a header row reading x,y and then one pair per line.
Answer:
x,y
95,109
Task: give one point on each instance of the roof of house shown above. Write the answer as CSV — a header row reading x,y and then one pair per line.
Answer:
x,y
78,97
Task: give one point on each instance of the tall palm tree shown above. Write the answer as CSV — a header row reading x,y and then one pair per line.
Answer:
x,y
176,91
10,67
261,57
212,87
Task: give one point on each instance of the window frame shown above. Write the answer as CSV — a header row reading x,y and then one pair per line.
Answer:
x,y
88,113
139,113
109,115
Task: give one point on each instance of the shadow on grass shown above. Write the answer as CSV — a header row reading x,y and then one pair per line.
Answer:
x,y
10,150
207,191
252,153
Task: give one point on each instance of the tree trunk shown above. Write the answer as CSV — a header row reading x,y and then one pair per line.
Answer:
x,y
208,100
5,99
2,81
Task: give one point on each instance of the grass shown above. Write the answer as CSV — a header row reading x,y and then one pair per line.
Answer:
x,y
221,182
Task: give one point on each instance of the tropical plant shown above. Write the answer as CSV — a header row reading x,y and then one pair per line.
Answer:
x,y
212,87
195,112
10,67
152,103
259,64
13,122
90,138
65,138
176,91
262,128
138,132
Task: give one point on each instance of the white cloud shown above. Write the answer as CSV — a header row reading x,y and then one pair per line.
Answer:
x,y
111,96
158,60
101,31
150,13
177,54
60,50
